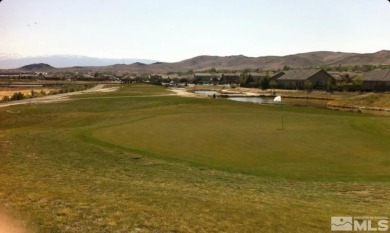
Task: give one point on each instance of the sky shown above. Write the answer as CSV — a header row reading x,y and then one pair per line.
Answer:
x,y
174,30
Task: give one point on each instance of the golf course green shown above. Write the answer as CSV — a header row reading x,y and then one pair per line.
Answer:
x,y
142,159
312,144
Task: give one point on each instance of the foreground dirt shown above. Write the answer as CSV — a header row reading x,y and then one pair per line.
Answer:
x,y
8,225
57,98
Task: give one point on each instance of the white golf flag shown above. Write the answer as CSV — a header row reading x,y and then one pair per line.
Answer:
x,y
278,99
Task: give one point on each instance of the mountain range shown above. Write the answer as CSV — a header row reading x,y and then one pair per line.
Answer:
x,y
240,62
12,61
200,63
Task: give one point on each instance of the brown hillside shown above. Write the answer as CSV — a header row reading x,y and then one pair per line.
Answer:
x,y
378,58
239,62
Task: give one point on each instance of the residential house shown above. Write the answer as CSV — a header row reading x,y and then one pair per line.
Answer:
x,y
230,78
206,78
156,78
376,80
299,79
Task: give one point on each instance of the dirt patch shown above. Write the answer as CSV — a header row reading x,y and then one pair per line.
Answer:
x,y
9,225
108,89
58,97
185,93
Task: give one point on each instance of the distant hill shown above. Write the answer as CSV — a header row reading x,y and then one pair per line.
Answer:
x,y
37,67
239,62
12,61
378,58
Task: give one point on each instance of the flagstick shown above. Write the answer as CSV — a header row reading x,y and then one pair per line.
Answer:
x,y
282,117
279,99
282,123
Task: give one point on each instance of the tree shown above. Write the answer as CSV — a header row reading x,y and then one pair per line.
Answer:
x,y
247,70
213,70
357,82
17,96
265,83
273,84
34,94
308,85
329,85
243,79
5,99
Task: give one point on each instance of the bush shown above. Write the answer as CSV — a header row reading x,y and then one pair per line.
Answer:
x,y
73,88
5,99
34,94
17,96
265,82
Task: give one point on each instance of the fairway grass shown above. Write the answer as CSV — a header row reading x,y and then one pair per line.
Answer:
x,y
139,162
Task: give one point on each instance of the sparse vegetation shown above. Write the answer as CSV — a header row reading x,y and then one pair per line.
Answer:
x,y
5,99
265,83
73,88
17,96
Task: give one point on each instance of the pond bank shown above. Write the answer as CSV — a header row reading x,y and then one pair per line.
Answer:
x,y
344,101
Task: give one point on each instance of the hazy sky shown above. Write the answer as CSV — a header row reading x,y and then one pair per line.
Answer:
x,y
173,30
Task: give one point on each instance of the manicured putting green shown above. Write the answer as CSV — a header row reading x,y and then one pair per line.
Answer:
x,y
312,146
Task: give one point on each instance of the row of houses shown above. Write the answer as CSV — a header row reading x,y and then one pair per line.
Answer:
x,y
376,80
317,79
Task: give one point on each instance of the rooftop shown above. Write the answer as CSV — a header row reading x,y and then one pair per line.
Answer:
x,y
377,75
298,74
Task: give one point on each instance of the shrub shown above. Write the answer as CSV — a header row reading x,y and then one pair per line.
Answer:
x,y
17,96
5,99
265,82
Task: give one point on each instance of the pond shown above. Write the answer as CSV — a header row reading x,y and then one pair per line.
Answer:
x,y
288,101
304,103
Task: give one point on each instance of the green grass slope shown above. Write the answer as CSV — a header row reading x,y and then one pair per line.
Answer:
x,y
136,162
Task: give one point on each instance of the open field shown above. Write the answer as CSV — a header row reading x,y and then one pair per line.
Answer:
x,y
26,91
142,160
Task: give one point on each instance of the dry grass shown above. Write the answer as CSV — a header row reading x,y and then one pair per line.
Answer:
x,y
26,91
367,100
